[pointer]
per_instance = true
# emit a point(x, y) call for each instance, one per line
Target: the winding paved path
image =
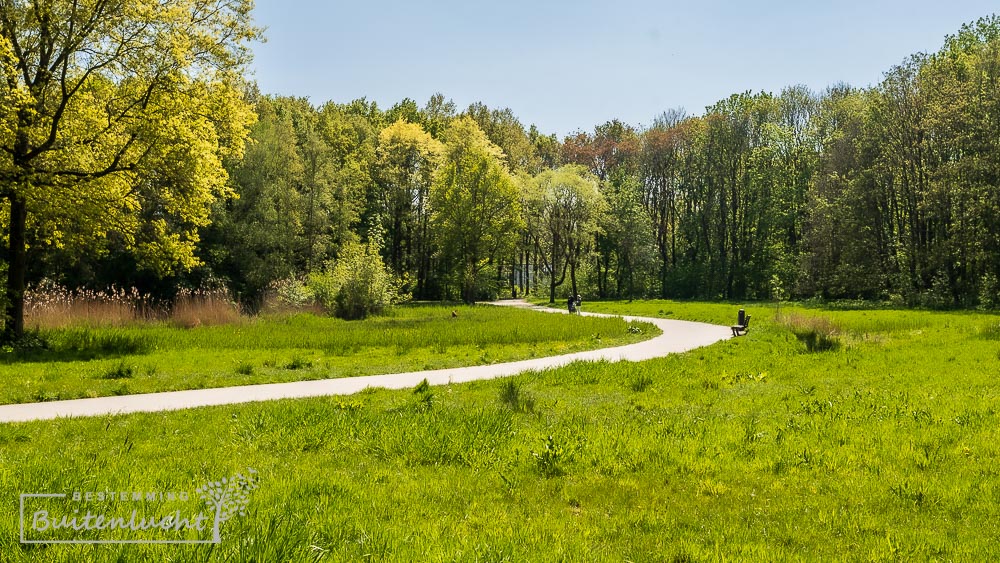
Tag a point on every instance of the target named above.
point(678, 336)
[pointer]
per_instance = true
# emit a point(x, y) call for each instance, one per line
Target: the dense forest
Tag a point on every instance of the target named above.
point(890, 192)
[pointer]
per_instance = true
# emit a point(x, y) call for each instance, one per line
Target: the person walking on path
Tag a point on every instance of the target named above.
point(571, 303)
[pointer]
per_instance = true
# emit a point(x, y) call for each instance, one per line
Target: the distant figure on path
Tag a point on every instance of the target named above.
point(571, 302)
point(579, 302)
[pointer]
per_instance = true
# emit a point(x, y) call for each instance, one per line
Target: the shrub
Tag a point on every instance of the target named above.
point(357, 284)
point(290, 295)
point(989, 293)
point(939, 296)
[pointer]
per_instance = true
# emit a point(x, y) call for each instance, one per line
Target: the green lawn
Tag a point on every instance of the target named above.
point(92, 362)
point(715, 313)
point(884, 446)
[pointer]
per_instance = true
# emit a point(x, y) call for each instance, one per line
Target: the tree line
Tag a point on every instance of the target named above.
point(125, 167)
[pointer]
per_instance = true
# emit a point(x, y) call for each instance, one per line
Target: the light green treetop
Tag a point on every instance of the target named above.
point(476, 205)
point(116, 115)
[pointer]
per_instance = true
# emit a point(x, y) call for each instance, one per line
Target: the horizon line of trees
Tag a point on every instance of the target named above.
point(886, 193)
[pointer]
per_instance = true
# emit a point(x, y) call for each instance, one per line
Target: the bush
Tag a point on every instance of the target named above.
point(989, 293)
point(357, 285)
point(939, 296)
point(291, 293)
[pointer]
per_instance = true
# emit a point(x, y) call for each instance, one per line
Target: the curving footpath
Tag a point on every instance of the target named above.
point(678, 336)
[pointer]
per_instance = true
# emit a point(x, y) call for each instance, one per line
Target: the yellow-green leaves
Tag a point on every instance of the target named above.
point(477, 209)
point(115, 117)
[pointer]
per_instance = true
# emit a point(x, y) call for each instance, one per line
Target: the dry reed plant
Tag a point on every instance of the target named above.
point(50, 305)
point(817, 333)
point(204, 308)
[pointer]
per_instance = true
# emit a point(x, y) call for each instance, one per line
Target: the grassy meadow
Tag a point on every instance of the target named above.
point(143, 357)
point(821, 435)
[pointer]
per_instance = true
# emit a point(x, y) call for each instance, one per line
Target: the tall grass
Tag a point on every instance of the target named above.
point(819, 334)
point(753, 449)
point(49, 305)
point(52, 306)
point(204, 308)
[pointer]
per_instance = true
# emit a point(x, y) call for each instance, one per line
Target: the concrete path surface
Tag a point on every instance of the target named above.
point(678, 336)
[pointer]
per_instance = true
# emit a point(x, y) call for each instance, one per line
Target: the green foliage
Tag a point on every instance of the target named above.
point(989, 292)
point(300, 186)
point(422, 387)
point(640, 383)
point(407, 158)
point(253, 240)
point(120, 129)
point(357, 284)
point(31, 343)
point(244, 368)
point(564, 210)
point(476, 205)
point(504, 130)
point(90, 342)
point(884, 193)
point(293, 292)
point(425, 396)
point(298, 362)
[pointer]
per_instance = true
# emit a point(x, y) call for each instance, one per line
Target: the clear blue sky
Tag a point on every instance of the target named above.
point(569, 65)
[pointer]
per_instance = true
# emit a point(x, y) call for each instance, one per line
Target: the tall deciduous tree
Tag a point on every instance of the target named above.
point(350, 132)
point(504, 129)
point(254, 237)
point(406, 159)
point(567, 207)
point(476, 205)
point(117, 115)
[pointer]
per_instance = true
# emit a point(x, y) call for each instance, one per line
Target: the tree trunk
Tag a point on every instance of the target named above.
point(469, 289)
point(16, 269)
point(572, 277)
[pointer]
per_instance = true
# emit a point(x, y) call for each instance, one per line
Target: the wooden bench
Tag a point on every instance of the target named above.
point(741, 329)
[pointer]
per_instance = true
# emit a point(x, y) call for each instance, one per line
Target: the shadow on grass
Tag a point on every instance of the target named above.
point(79, 344)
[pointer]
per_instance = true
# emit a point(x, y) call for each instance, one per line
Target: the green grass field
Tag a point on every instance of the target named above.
point(822, 435)
point(143, 358)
